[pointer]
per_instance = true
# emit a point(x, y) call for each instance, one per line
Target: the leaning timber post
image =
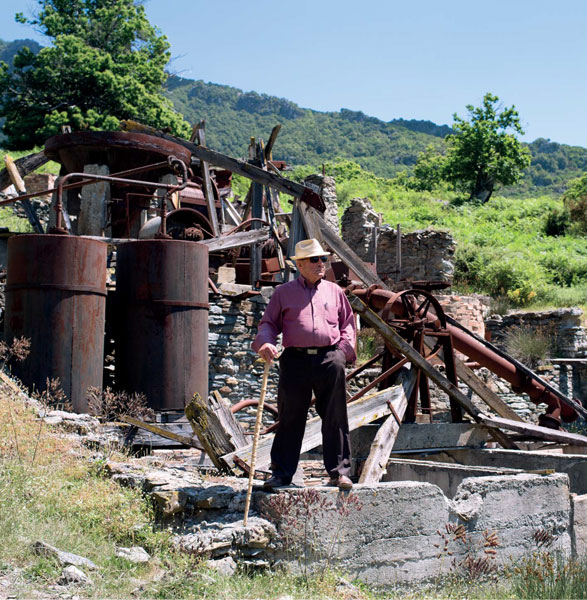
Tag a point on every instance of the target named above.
point(421, 363)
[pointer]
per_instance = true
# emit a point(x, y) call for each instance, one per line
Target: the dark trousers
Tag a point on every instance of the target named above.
point(300, 374)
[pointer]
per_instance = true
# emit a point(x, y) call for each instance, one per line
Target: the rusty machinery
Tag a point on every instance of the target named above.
point(419, 318)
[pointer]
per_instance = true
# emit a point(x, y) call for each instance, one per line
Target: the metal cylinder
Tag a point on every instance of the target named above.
point(56, 297)
point(162, 329)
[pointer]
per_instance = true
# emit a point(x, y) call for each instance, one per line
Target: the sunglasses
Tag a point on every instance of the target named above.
point(315, 259)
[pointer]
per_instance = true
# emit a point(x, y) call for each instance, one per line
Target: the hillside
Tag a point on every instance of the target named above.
point(313, 137)
point(310, 137)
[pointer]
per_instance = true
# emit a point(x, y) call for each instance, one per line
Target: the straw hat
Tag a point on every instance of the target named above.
point(309, 248)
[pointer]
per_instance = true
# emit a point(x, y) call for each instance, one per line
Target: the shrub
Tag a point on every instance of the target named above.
point(557, 222)
point(529, 346)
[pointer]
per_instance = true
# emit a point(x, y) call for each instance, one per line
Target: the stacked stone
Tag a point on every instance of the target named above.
point(426, 255)
point(470, 311)
point(357, 227)
point(233, 370)
point(327, 189)
point(563, 325)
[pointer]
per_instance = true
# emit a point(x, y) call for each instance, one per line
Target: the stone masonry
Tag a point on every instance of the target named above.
point(426, 255)
point(327, 189)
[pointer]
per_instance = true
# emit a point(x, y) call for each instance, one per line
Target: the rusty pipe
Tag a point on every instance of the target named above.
point(378, 299)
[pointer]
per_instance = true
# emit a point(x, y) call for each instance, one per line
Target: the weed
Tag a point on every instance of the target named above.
point(110, 405)
point(479, 556)
point(299, 515)
point(530, 346)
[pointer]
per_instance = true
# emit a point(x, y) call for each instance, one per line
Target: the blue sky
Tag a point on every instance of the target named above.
point(424, 59)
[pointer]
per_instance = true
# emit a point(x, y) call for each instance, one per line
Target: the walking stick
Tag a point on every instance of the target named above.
point(256, 440)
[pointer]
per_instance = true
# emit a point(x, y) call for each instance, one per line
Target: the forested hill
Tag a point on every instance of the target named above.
point(312, 137)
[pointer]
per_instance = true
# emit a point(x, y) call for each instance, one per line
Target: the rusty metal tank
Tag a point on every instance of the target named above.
point(162, 321)
point(56, 297)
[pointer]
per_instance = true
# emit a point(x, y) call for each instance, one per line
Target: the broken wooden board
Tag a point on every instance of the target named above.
point(361, 412)
point(25, 165)
point(376, 462)
point(543, 433)
point(216, 428)
point(390, 335)
point(162, 432)
point(200, 135)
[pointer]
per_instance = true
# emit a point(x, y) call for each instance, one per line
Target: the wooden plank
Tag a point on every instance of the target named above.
point(215, 427)
point(530, 429)
point(343, 251)
point(361, 412)
point(272, 137)
point(238, 239)
point(421, 363)
point(226, 162)
point(161, 432)
point(466, 375)
point(25, 165)
point(208, 192)
point(376, 463)
point(18, 183)
point(310, 222)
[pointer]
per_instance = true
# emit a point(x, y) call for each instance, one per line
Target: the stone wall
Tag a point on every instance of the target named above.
point(469, 311)
point(425, 255)
point(37, 182)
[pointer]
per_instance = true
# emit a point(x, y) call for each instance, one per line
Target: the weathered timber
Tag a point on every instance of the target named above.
point(161, 432)
point(581, 410)
point(536, 431)
point(361, 412)
point(376, 462)
point(421, 363)
point(466, 375)
point(207, 187)
point(18, 183)
point(343, 251)
point(310, 222)
point(25, 165)
point(235, 240)
point(216, 428)
point(226, 162)
point(272, 137)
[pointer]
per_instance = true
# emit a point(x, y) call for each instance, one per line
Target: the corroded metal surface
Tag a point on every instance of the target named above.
point(162, 321)
point(56, 296)
point(556, 411)
point(119, 150)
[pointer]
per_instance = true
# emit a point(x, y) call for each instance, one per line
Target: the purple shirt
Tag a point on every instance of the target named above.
point(309, 315)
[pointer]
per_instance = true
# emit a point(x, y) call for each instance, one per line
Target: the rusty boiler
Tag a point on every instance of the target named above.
point(56, 297)
point(162, 321)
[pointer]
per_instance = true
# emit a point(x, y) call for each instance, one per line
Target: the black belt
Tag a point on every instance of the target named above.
point(314, 349)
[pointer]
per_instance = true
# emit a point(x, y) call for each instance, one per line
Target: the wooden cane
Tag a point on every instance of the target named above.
point(256, 440)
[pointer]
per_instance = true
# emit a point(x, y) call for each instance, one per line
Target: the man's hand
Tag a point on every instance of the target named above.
point(268, 352)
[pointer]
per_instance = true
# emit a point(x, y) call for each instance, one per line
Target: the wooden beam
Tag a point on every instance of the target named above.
point(226, 162)
point(543, 433)
point(207, 187)
point(25, 165)
point(376, 463)
point(238, 239)
point(164, 433)
point(361, 412)
point(18, 183)
point(421, 363)
point(344, 252)
point(269, 148)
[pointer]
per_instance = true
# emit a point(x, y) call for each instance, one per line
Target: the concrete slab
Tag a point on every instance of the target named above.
point(579, 537)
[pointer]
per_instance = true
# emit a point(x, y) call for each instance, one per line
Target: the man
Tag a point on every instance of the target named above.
point(319, 334)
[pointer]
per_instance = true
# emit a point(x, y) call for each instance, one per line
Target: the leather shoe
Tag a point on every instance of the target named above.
point(273, 483)
point(342, 482)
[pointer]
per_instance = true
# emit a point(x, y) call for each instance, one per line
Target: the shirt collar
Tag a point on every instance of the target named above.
point(305, 284)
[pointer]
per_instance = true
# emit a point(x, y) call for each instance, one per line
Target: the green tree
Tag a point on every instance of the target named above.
point(482, 153)
point(106, 63)
point(575, 201)
point(479, 155)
